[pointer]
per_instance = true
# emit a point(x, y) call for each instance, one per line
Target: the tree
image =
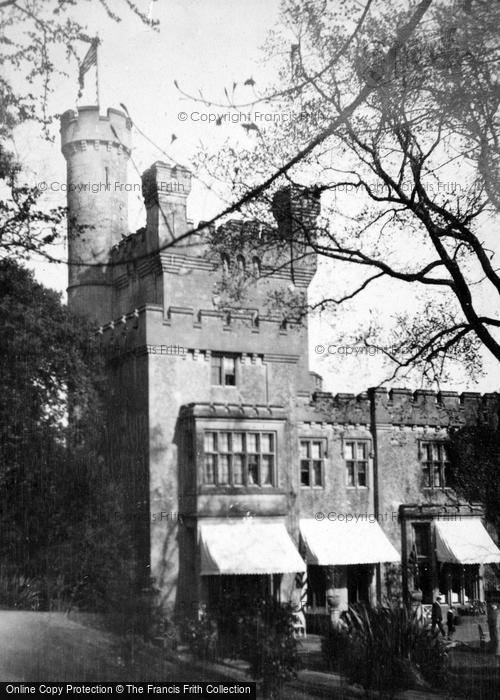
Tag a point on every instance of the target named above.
point(64, 507)
point(474, 456)
point(408, 175)
point(35, 35)
point(44, 355)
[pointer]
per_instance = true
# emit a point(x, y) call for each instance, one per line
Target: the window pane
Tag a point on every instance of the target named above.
point(252, 442)
point(237, 442)
point(238, 470)
point(361, 473)
point(317, 476)
point(210, 463)
point(437, 474)
point(224, 442)
point(350, 474)
point(267, 442)
point(316, 450)
point(223, 470)
point(349, 450)
point(216, 362)
point(229, 369)
point(267, 470)
point(427, 475)
point(361, 450)
point(447, 475)
point(210, 442)
point(304, 450)
point(435, 465)
point(253, 469)
point(304, 473)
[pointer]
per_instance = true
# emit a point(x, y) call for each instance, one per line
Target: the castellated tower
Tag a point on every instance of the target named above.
point(97, 149)
point(181, 367)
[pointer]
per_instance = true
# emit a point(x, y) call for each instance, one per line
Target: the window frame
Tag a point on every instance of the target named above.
point(428, 467)
point(310, 459)
point(217, 360)
point(259, 453)
point(356, 461)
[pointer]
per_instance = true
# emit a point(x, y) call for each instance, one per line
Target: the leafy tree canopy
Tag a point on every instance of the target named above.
point(390, 110)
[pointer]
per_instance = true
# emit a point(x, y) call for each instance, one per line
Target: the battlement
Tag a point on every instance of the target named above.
point(261, 254)
point(129, 247)
point(88, 125)
point(405, 407)
point(164, 180)
point(427, 407)
point(427, 397)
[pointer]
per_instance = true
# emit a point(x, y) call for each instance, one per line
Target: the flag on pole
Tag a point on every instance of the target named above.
point(89, 61)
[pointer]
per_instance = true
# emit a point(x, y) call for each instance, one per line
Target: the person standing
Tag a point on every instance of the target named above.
point(450, 621)
point(437, 616)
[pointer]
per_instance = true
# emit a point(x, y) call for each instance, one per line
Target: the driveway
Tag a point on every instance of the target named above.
point(42, 646)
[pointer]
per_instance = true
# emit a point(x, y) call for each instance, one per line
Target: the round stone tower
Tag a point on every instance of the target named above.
point(97, 149)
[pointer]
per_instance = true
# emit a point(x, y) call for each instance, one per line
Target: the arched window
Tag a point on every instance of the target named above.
point(240, 262)
point(225, 263)
point(256, 266)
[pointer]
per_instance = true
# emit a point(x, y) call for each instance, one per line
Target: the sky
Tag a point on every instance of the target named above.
point(203, 45)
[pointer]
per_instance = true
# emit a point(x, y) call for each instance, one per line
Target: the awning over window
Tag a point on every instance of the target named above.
point(247, 547)
point(334, 542)
point(465, 541)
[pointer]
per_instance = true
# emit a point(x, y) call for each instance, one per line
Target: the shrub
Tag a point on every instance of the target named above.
point(253, 629)
point(202, 637)
point(387, 648)
point(271, 646)
point(19, 591)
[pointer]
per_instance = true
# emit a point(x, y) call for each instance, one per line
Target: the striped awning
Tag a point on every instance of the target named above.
point(465, 541)
point(341, 543)
point(247, 546)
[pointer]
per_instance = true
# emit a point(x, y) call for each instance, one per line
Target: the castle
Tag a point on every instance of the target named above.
point(253, 475)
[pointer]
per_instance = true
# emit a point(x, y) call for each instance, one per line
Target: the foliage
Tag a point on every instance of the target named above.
point(393, 583)
point(201, 636)
point(474, 456)
point(44, 354)
point(386, 649)
point(19, 591)
point(272, 647)
point(393, 116)
point(254, 629)
point(64, 502)
point(32, 33)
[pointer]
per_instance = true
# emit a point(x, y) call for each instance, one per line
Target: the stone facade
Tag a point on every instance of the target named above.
point(183, 371)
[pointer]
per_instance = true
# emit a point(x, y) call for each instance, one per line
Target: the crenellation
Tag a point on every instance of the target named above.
point(470, 398)
point(424, 397)
point(449, 399)
point(398, 396)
